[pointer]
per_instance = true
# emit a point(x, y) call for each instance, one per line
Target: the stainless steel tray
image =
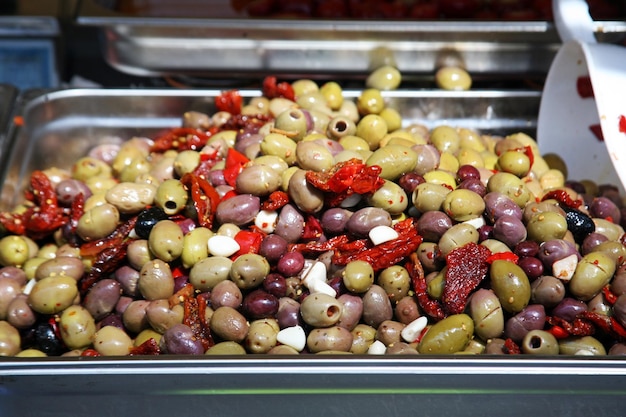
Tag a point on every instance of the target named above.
point(236, 46)
point(60, 126)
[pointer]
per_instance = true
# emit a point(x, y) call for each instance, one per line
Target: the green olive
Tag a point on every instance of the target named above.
point(392, 117)
point(112, 341)
point(363, 336)
point(10, 339)
point(308, 198)
point(131, 197)
point(292, 123)
point(394, 160)
point(166, 240)
point(510, 283)
point(156, 280)
point(100, 184)
point(445, 139)
point(31, 353)
point(609, 229)
point(229, 324)
point(462, 205)
point(279, 145)
point(261, 336)
point(329, 339)
point(546, 226)
point(98, 222)
point(77, 327)
point(540, 342)
point(358, 276)
point(384, 78)
point(195, 246)
point(321, 310)
point(304, 86)
point(259, 180)
point(450, 335)
point(437, 284)
point(354, 143)
point(395, 281)
point(226, 348)
point(581, 345)
point(340, 127)
point(61, 266)
point(594, 271)
point(429, 197)
point(456, 236)
point(161, 317)
point(208, 272)
point(146, 335)
point(372, 128)
point(370, 101)
point(333, 94)
point(130, 151)
point(14, 251)
point(390, 197)
point(171, 196)
point(510, 185)
point(313, 156)
point(53, 294)
point(486, 311)
point(514, 162)
point(138, 253)
point(249, 270)
point(136, 168)
point(89, 167)
point(453, 78)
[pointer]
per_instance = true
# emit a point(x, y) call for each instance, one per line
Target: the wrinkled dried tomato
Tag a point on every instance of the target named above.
point(149, 347)
point(562, 197)
point(229, 101)
point(273, 89)
point(467, 267)
point(312, 228)
point(429, 306)
point(204, 197)
point(275, 200)
point(181, 139)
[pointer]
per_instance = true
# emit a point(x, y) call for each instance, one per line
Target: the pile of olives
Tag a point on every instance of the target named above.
point(460, 186)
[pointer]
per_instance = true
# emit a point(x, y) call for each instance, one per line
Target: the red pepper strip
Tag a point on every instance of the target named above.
point(107, 261)
point(319, 247)
point(249, 242)
point(608, 325)
point(578, 327)
point(149, 347)
point(181, 138)
point(275, 200)
point(467, 267)
point(312, 228)
point(77, 211)
point(181, 295)
point(385, 254)
point(502, 256)
point(558, 332)
point(531, 157)
point(195, 317)
point(428, 305)
point(562, 197)
point(272, 89)
point(90, 353)
point(205, 198)
point(229, 101)
point(609, 295)
point(114, 239)
point(234, 164)
point(511, 348)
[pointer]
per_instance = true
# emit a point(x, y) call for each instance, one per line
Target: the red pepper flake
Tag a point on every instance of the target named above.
point(502, 256)
point(229, 101)
point(584, 87)
point(622, 123)
point(467, 267)
point(234, 164)
point(597, 132)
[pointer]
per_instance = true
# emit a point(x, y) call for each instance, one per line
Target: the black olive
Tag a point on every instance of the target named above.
point(578, 223)
point(147, 219)
point(47, 341)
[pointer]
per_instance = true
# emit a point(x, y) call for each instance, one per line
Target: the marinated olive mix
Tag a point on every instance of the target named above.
point(306, 222)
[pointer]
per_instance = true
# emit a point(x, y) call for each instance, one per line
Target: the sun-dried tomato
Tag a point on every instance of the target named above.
point(430, 307)
point(467, 267)
point(229, 101)
point(275, 200)
point(511, 348)
point(319, 247)
point(204, 197)
point(149, 347)
point(181, 139)
point(312, 228)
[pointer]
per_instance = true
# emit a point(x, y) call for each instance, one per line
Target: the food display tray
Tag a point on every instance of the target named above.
point(60, 126)
point(235, 46)
point(8, 95)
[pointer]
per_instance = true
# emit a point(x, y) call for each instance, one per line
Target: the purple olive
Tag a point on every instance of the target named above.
point(532, 266)
point(533, 317)
point(288, 314)
point(334, 220)
point(275, 284)
point(569, 308)
point(260, 304)
point(180, 340)
point(526, 248)
point(467, 172)
point(475, 185)
point(410, 181)
point(290, 264)
point(272, 247)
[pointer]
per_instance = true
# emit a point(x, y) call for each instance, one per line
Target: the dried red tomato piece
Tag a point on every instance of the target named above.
point(229, 101)
point(562, 197)
point(467, 267)
point(274, 89)
point(181, 138)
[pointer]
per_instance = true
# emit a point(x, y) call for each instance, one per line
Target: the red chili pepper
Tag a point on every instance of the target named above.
point(116, 238)
point(249, 242)
point(319, 247)
point(502, 256)
point(106, 262)
point(149, 347)
point(429, 306)
point(275, 200)
point(609, 295)
point(181, 138)
point(312, 228)
point(558, 332)
point(229, 101)
point(531, 156)
point(467, 267)
point(194, 316)
point(562, 197)
point(234, 164)
point(622, 123)
point(204, 197)
point(272, 89)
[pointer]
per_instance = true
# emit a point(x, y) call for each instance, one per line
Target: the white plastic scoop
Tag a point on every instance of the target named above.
point(572, 118)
